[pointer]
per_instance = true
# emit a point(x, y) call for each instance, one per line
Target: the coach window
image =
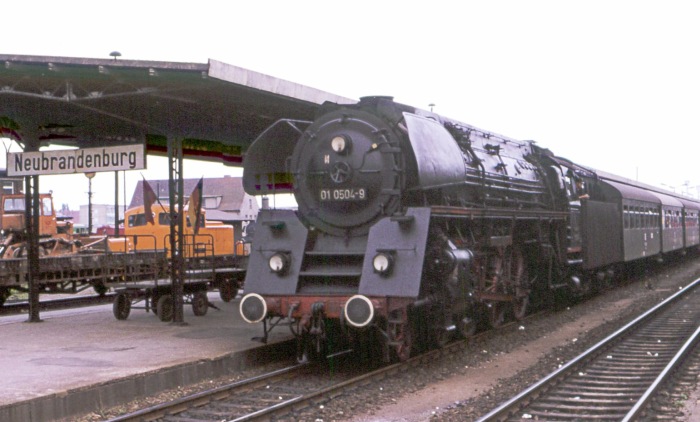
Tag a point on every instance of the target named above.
point(626, 216)
point(632, 214)
point(657, 218)
point(647, 218)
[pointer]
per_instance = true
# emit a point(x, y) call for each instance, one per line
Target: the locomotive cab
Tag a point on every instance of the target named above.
point(13, 209)
point(212, 238)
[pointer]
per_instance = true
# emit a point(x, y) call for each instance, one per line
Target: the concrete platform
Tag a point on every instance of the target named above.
point(81, 360)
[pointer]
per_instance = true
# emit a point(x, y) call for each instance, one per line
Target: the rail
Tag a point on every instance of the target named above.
point(577, 367)
point(278, 397)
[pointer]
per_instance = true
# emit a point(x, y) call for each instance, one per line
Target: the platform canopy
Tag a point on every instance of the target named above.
point(216, 109)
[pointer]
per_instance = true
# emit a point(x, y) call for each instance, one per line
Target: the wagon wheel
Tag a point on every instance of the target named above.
point(165, 308)
point(227, 290)
point(154, 302)
point(200, 303)
point(100, 289)
point(121, 307)
point(4, 294)
point(496, 312)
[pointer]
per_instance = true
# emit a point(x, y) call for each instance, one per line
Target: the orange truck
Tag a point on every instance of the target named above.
point(55, 238)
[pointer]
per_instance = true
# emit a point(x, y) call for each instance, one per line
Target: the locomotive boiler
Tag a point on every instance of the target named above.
point(412, 227)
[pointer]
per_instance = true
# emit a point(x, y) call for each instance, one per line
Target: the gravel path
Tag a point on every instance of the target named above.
point(506, 362)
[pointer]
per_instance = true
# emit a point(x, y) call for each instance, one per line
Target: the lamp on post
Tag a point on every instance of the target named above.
point(90, 175)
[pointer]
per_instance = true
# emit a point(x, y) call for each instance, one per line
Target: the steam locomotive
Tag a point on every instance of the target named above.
point(412, 228)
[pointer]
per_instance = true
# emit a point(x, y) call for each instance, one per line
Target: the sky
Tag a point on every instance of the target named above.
point(613, 85)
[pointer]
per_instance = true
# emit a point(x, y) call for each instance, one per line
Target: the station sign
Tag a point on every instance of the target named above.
point(84, 160)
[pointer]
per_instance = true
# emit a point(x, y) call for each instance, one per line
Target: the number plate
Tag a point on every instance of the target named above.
point(354, 194)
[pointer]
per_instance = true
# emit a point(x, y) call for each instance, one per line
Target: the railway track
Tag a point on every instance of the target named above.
point(283, 393)
point(264, 396)
point(619, 377)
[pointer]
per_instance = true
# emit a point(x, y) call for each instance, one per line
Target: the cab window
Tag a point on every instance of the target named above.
point(136, 220)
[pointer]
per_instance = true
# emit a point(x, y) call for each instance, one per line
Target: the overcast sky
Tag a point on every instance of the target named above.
point(614, 85)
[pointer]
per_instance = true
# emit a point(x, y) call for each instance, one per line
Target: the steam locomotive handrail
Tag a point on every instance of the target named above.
point(450, 211)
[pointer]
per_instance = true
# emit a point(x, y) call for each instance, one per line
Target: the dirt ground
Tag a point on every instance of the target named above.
point(422, 405)
point(442, 399)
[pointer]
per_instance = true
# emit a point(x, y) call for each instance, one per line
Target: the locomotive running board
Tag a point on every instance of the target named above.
point(493, 213)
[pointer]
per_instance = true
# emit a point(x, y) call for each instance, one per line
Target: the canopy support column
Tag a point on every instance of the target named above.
point(177, 261)
point(31, 216)
point(116, 203)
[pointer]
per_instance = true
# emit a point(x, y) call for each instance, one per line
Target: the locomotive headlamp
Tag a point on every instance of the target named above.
point(383, 263)
point(340, 144)
point(279, 263)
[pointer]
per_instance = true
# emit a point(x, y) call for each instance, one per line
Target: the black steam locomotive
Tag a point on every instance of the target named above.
point(412, 227)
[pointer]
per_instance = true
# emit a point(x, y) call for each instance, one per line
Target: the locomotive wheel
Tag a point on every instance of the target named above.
point(520, 307)
point(165, 308)
point(121, 307)
point(497, 313)
point(519, 283)
point(467, 327)
point(440, 334)
point(200, 303)
point(404, 339)
point(227, 290)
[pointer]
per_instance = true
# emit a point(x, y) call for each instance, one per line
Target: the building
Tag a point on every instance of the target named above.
point(11, 184)
point(223, 199)
point(102, 216)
